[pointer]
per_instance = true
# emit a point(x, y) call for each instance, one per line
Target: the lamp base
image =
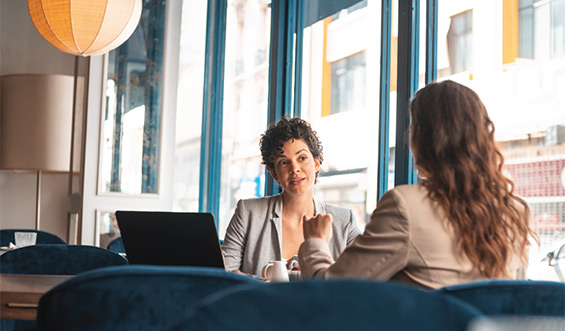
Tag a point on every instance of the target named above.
point(38, 202)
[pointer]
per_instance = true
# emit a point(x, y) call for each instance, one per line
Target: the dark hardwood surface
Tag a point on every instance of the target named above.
point(19, 294)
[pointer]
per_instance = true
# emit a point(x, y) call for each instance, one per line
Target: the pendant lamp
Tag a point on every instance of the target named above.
point(85, 27)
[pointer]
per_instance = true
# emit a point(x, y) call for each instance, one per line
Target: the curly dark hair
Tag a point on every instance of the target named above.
point(286, 129)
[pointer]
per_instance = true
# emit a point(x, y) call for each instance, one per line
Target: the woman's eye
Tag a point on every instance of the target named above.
point(303, 158)
point(282, 163)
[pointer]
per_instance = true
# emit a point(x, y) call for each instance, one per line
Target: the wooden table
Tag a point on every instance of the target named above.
point(19, 294)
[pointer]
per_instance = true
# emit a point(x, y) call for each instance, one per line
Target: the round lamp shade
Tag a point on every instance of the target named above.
point(85, 27)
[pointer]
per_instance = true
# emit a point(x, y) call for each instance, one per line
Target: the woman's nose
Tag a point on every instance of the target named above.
point(294, 168)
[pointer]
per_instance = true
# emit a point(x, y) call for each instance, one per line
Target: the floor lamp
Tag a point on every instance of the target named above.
point(83, 28)
point(35, 126)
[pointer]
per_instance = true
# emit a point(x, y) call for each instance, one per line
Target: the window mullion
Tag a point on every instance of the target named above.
point(299, 30)
point(384, 107)
point(211, 143)
point(431, 40)
point(408, 43)
point(283, 26)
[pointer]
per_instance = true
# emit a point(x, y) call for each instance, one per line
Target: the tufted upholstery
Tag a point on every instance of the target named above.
point(117, 245)
point(131, 297)
point(57, 259)
point(329, 305)
point(7, 236)
point(53, 259)
point(512, 297)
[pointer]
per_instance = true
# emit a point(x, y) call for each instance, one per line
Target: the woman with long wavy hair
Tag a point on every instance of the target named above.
point(461, 223)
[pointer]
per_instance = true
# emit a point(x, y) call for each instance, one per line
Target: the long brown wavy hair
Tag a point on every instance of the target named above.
point(454, 148)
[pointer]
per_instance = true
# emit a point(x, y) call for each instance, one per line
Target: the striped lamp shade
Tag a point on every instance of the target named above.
point(85, 27)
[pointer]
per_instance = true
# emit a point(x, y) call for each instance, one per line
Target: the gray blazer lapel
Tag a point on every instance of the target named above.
point(320, 207)
point(277, 225)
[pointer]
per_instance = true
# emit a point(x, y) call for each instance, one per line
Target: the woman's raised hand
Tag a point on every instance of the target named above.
point(319, 226)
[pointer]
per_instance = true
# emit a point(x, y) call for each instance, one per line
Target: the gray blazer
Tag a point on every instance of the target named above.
point(253, 237)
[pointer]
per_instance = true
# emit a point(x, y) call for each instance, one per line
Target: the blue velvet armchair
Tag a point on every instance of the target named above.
point(329, 305)
point(7, 237)
point(512, 297)
point(132, 297)
point(117, 245)
point(57, 259)
point(53, 259)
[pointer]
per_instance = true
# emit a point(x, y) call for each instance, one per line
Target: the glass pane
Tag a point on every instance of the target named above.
point(131, 123)
point(525, 101)
point(340, 74)
point(108, 227)
point(558, 28)
point(523, 3)
point(460, 41)
point(189, 106)
point(525, 33)
point(347, 74)
point(245, 103)
point(542, 32)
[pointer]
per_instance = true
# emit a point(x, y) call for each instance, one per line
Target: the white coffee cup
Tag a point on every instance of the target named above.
point(275, 271)
point(25, 238)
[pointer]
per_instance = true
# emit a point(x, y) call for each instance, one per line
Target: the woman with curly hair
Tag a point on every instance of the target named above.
point(270, 228)
point(461, 223)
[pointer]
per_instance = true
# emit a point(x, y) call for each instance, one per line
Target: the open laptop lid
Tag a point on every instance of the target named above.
point(169, 238)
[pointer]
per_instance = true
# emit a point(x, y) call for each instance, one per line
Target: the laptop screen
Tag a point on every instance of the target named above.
point(170, 238)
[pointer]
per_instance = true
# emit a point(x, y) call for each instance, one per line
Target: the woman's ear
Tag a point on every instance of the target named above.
point(317, 164)
point(274, 175)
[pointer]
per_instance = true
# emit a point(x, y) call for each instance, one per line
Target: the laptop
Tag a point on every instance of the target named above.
point(170, 238)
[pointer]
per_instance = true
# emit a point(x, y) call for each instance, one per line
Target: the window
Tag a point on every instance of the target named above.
point(541, 29)
point(526, 31)
point(338, 89)
point(348, 83)
point(558, 28)
point(131, 128)
point(460, 42)
point(339, 66)
point(246, 73)
point(189, 106)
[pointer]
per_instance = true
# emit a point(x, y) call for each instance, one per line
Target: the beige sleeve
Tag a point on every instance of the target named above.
point(379, 253)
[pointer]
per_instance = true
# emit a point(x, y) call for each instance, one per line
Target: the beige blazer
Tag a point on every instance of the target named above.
point(407, 240)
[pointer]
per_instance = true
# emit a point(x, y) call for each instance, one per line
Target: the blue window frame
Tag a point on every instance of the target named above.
point(211, 142)
point(384, 97)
